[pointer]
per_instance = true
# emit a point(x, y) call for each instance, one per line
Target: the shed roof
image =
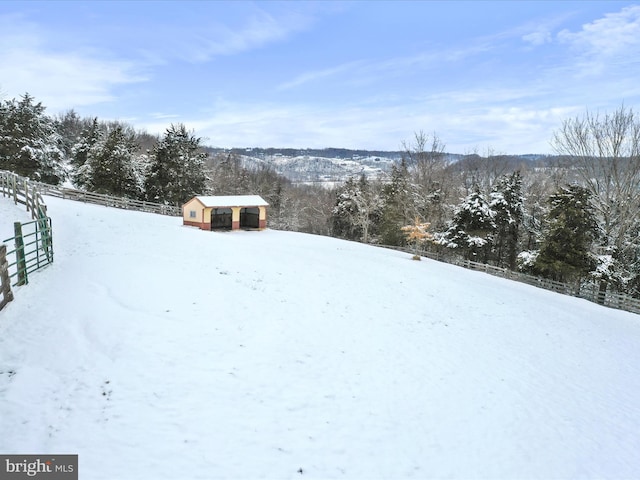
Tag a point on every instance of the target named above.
point(232, 201)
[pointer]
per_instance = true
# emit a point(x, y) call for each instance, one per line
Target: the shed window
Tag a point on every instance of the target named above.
point(192, 214)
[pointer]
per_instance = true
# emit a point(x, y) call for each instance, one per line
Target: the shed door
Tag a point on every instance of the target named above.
point(250, 217)
point(221, 218)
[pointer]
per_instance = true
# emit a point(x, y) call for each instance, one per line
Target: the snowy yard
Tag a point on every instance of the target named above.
point(10, 213)
point(159, 351)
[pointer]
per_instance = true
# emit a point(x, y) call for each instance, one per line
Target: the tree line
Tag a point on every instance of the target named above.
point(575, 219)
point(113, 157)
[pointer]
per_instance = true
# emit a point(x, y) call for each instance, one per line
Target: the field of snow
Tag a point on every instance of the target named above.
point(157, 351)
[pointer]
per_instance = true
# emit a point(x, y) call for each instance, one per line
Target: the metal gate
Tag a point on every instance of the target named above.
point(33, 250)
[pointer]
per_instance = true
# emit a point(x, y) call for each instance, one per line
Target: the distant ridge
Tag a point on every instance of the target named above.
point(334, 165)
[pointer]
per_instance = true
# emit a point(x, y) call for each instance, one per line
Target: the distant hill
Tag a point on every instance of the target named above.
point(339, 153)
point(335, 165)
point(329, 165)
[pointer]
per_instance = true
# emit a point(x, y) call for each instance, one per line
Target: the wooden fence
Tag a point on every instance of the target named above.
point(109, 200)
point(6, 295)
point(588, 291)
point(29, 193)
point(32, 241)
point(23, 191)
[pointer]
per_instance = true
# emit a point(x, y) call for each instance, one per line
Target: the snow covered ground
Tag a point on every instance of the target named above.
point(159, 351)
point(10, 213)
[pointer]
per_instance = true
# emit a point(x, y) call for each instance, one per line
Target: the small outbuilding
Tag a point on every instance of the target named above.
point(229, 212)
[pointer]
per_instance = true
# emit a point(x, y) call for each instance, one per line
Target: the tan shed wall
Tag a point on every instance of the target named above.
point(192, 204)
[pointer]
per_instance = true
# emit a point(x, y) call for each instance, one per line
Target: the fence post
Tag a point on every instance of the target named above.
point(44, 225)
point(21, 262)
point(26, 193)
point(5, 281)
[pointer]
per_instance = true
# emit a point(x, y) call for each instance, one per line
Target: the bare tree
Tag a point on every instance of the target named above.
point(538, 185)
point(316, 204)
point(484, 171)
point(605, 152)
point(432, 182)
point(425, 157)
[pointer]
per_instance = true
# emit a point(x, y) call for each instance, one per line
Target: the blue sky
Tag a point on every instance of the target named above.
point(495, 77)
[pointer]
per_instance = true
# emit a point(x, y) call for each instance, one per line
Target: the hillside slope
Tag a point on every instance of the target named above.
point(157, 351)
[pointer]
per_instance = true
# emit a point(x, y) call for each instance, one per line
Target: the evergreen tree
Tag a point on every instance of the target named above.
point(356, 211)
point(177, 168)
point(631, 281)
point(70, 126)
point(398, 207)
point(115, 169)
point(29, 143)
point(572, 228)
point(472, 228)
point(89, 136)
point(620, 269)
point(507, 204)
point(345, 210)
point(111, 165)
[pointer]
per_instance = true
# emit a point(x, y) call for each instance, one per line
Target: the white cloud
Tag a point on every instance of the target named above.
point(539, 37)
point(161, 115)
point(595, 66)
point(218, 39)
point(462, 127)
point(538, 32)
point(319, 74)
point(616, 34)
point(59, 79)
point(360, 72)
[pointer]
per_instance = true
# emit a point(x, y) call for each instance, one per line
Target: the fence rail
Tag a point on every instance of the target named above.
point(587, 291)
point(23, 191)
point(110, 200)
point(29, 193)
